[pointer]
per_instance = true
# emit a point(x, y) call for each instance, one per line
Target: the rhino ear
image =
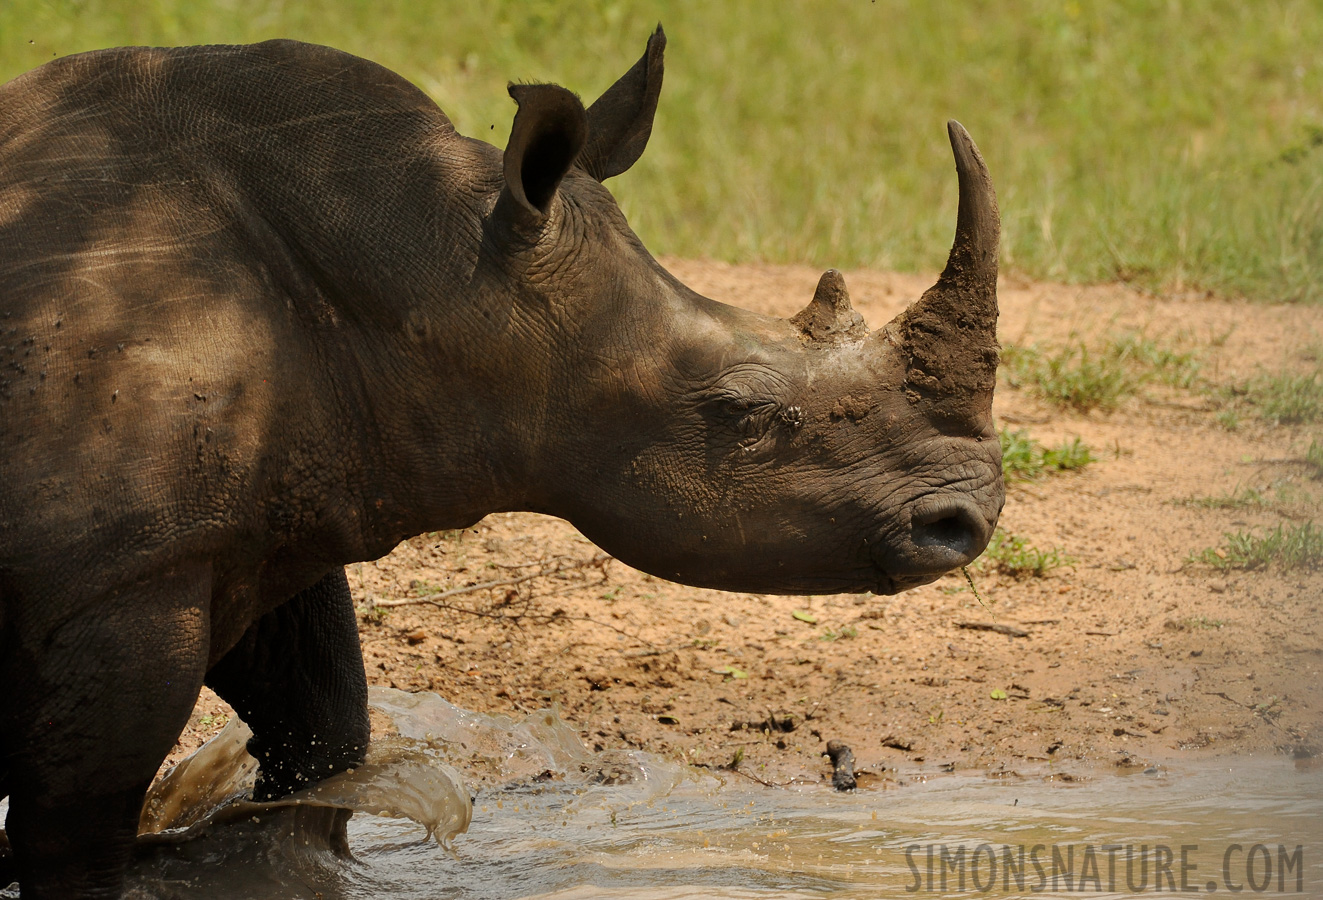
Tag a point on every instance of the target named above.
point(620, 122)
point(548, 133)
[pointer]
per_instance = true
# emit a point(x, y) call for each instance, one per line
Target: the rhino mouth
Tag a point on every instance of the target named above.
point(946, 532)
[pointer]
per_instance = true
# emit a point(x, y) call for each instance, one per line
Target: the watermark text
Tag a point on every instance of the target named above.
point(1090, 868)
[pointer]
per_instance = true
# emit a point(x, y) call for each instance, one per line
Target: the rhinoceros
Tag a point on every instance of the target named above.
point(263, 313)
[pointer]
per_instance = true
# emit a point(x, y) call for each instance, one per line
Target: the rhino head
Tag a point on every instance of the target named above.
point(713, 446)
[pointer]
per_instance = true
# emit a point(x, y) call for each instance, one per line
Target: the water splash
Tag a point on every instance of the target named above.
point(401, 778)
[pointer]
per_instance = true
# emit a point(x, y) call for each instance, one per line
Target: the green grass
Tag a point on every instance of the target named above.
point(1173, 145)
point(1240, 498)
point(1228, 419)
point(1068, 456)
point(1287, 496)
point(1288, 399)
point(1286, 546)
point(1086, 375)
point(1015, 556)
point(1314, 459)
point(1021, 455)
point(1284, 398)
point(1071, 377)
point(1024, 459)
point(1178, 368)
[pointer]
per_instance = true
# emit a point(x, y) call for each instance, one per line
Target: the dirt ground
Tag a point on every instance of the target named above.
point(1130, 656)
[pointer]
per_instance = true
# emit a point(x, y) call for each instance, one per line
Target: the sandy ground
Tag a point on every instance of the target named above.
point(1130, 656)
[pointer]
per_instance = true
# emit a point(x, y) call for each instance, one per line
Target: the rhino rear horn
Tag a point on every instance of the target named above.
point(950, 335)
point(548, 133)
point(620, 122)
point(829, 318)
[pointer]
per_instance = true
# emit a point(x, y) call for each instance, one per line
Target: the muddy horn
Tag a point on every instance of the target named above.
point(829, 318)
point(950, 335)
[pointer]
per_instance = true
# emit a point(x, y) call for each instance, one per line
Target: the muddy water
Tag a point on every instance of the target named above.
point(551, 819)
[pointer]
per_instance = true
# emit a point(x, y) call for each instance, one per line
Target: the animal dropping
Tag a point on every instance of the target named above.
point(338, 323)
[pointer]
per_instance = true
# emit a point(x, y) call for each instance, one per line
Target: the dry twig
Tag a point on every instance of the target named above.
point(435, 599)
point(993, 626)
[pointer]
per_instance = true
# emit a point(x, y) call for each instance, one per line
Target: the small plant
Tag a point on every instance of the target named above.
point(1229, 419)
point(371, 613)
point(1290, 547)
point(1068, 457)
point(1289, 399)
point(1082, 377)
point(1024, 459)
point(1174, 367)
point(847, 632)
point(1072, 377)
point(1016, 557)
point(1017, 362)
point(1240, 498)
point(1021, 456)
point(1314, 459)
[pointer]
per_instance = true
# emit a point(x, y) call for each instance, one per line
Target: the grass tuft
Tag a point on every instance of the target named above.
point(1068, 457)
point(1289, 547)
point(1314, 459)
point(1072, 377)
point(1025, 459)
point(1021, 455)
point(1085, 377)
point(1178, 368)
point(1288, 399)
point(1015, 556)
point(1240, 498)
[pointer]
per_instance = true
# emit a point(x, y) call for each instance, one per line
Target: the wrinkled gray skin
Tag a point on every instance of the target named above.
point(263, 313)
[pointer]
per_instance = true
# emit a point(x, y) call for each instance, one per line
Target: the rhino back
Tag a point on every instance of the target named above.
point(192, 244)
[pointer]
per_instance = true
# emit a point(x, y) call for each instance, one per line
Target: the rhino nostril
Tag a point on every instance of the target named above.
point(949, 531)
point(948, 524)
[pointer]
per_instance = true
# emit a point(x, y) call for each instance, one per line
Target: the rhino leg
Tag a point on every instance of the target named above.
point(296, 677)
point(8, 872)
point(86, 722)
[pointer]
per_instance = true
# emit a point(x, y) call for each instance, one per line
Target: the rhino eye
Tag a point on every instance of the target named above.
point(755, 422)
point(743, 405)
point(746, 409)
point(751, 418)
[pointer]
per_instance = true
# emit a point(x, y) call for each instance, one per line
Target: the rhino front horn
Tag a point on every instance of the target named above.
point(829, 319)
point(950, 335)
